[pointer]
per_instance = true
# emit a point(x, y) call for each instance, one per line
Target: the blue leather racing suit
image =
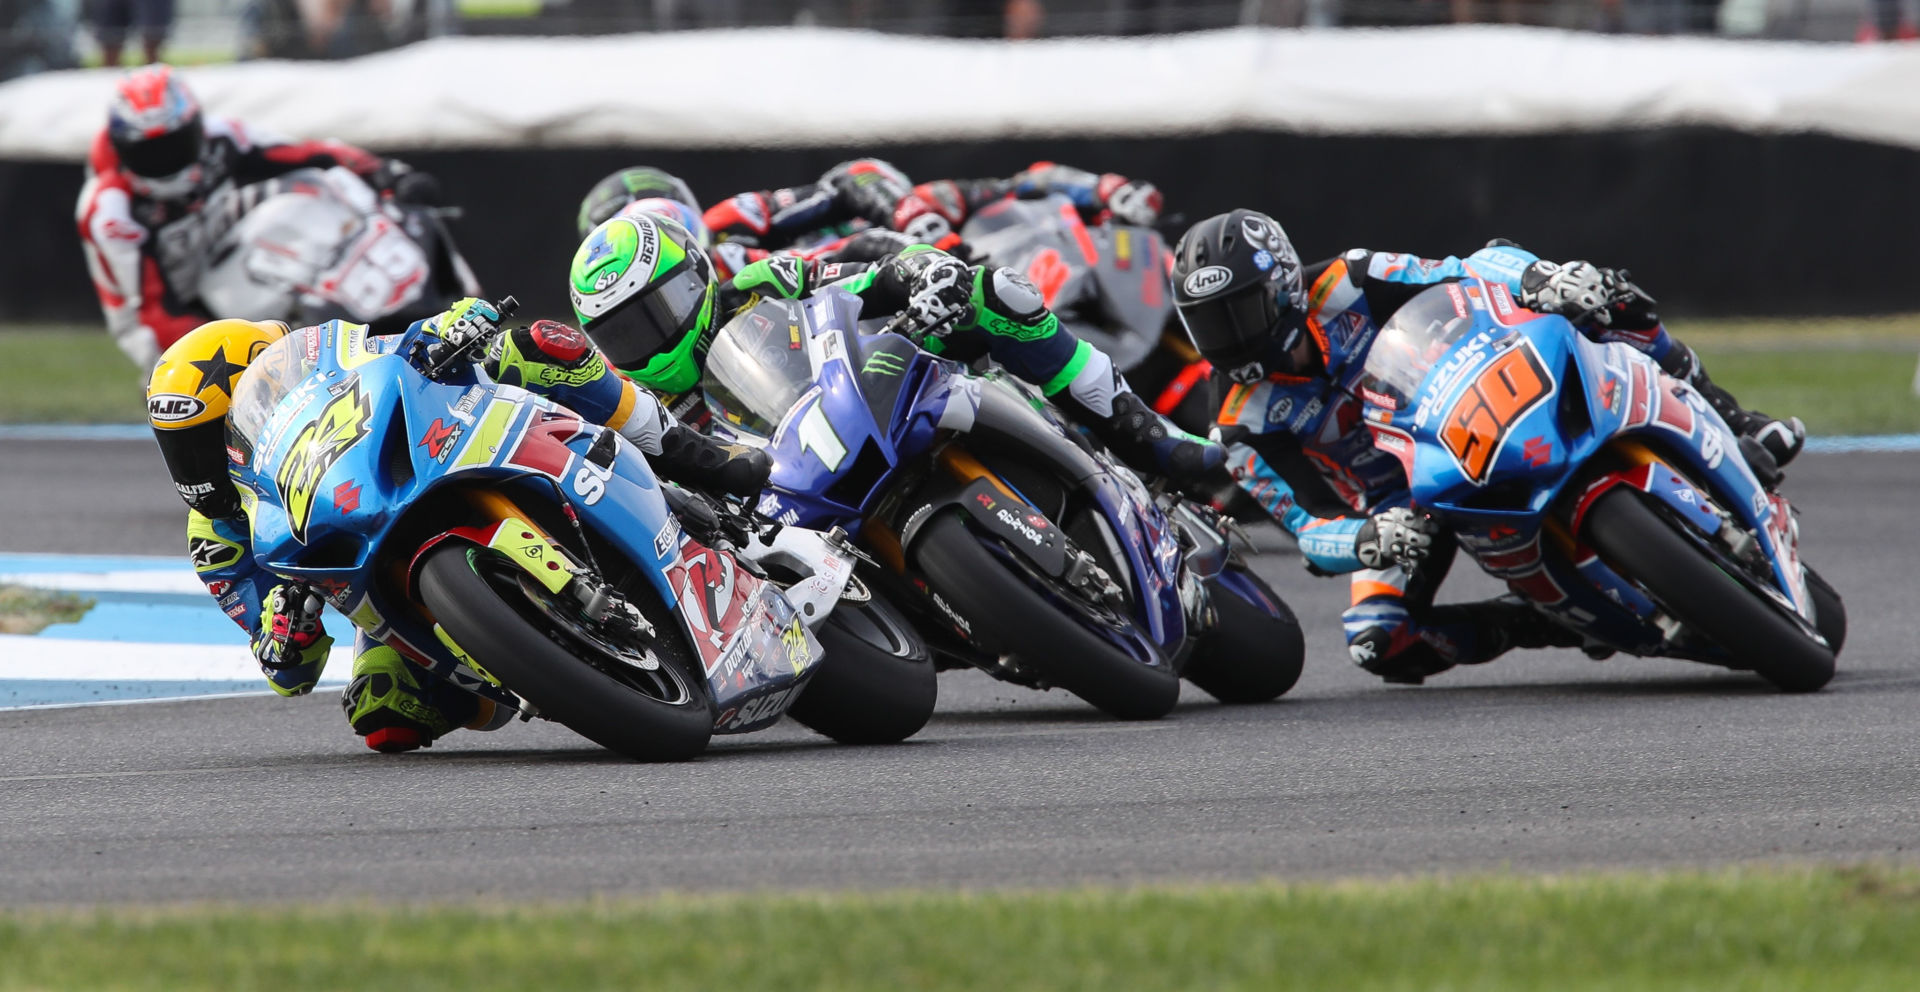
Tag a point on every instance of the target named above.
point(1298, 445)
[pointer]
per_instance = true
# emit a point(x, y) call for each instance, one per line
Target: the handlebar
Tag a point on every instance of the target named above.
point(902, 323)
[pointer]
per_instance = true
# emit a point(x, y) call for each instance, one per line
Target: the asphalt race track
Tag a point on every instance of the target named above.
point(1540, 761)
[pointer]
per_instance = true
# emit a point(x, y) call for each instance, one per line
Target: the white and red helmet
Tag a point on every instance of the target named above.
point(156, 129)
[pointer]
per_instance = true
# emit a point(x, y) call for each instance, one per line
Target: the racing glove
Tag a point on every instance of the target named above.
point(1587, 294)
point(940, 295)
point(403, 183)
point(1130, 201)
point(1399, 536)
point(291, 645)
point(466, 321)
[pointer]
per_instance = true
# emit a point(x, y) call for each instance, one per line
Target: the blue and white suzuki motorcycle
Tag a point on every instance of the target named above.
point(1605, 492)
point(498, 541)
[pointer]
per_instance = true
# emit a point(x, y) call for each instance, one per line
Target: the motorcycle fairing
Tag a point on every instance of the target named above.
point(1509, 416)
point(418, 435)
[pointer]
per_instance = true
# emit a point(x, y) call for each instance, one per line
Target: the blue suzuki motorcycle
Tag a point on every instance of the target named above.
point(1605, 492)
point(1027, 551)
point(498, 541)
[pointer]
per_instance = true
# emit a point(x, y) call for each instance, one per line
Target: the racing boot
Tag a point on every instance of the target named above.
point(694, 459)
point(1146, 440)
point(1409, 652)
point(1780, 440)
point(397, 707)
point(292, 645)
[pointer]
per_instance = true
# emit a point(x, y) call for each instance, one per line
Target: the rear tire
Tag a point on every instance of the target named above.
point(467, 589)
point(1645, 548)
point(999, 603)
point(876, 683)
point(1252, 655)
point(1829, 611)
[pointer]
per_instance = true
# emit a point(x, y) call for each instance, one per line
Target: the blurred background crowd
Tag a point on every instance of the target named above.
point(37, 35)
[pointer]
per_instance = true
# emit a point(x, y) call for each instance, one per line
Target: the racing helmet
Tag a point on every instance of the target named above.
point(1237, 287)
point(610, 195)
point(688, 217)
point(188, 396)
point(156, 130)
point(643, 289)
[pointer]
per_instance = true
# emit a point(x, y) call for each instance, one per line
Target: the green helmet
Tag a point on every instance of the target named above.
point(640, 183)
point(643, 290)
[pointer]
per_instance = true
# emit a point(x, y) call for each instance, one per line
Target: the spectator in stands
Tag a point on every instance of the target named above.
point(34, 37)
point(113, 19)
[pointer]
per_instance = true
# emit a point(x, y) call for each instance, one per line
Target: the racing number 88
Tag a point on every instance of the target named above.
point(1503, 391)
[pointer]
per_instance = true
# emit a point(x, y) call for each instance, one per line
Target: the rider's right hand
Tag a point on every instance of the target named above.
point(466, 321)
point(1399, 536)
point(940, 294)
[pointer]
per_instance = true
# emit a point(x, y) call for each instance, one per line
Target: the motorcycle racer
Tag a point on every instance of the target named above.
point(153, 203)
point(648, 295)
point(1288, 344)
point(390, 703)
point(870, 191)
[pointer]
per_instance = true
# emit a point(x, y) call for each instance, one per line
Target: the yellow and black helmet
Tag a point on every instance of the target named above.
point(187, 401)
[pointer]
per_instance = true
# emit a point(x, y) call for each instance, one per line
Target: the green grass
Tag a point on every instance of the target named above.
point(29, 611)
point(1826, 928)
point(1841, 376)
point(67, 376)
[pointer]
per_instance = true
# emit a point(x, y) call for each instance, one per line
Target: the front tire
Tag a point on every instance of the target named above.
point(479, 600)
point(1256, 650)
point(998, 602)
point(1645, 548)
point(876, 683)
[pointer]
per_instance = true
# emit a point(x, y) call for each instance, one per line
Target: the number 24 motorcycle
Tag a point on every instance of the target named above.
point(1029, 553)
point(498, 541)
point(1605, 492)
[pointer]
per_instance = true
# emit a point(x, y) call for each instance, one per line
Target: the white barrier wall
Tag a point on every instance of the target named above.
point(810, 87)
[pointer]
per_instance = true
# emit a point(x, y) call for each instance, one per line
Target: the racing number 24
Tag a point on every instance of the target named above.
point(1512, 384)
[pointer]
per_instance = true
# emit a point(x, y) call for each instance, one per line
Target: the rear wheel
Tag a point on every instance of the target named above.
point(876, 682)
point(539, 646)
point(1647, 549)
point(1255, 652)
point(997, 602)
point(1829, 612)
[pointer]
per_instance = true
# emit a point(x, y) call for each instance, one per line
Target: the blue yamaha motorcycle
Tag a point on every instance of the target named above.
point(498, 541)
point(1605, 492)
point(1029, 552)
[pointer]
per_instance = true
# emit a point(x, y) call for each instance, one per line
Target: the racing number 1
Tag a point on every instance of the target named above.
point(1503, 392)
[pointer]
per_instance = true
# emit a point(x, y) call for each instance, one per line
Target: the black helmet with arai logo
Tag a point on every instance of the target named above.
point(1237, 286)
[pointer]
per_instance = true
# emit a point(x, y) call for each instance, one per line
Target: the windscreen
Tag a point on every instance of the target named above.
point(284, 365)
point(757, 366)
point(1417, 336)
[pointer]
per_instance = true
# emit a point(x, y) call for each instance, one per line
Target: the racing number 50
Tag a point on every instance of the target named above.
point(1512, 384)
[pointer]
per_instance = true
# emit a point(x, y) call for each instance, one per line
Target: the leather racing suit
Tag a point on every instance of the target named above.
point(146, 255)
point(1298, 445)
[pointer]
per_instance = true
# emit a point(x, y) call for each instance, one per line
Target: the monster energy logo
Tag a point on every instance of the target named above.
point(884, 363)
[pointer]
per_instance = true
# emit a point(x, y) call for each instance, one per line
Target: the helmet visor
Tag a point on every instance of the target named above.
point(162, 156)
point(1240, 327)
point(654, 321)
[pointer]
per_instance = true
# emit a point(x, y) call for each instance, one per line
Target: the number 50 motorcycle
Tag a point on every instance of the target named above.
point(1607, 493)
point(496, 540)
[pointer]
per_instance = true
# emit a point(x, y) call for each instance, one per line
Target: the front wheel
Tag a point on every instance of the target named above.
point(998, 603)
point(1645, 548)
point(876, 681)
point(536, 643)
point(1255, 651)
